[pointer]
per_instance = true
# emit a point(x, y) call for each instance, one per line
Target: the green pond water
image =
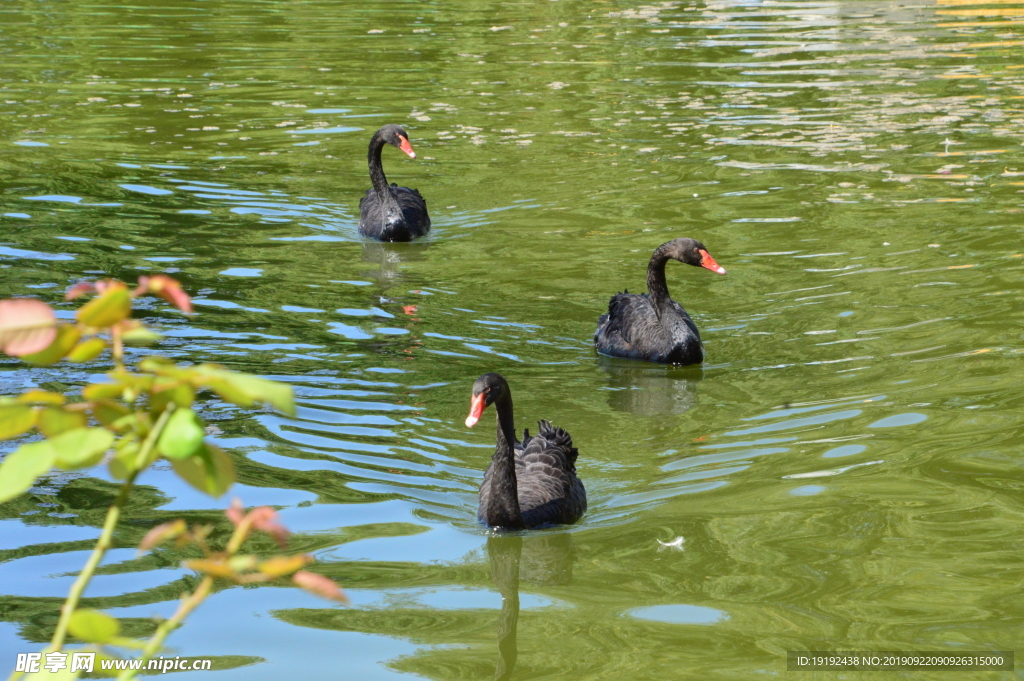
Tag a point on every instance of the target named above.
point(845, 470)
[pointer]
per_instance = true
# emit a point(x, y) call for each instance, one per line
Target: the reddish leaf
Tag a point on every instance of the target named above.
point(27, 326)
point(319, 585)
point(103, 284)
point(236, 512)
point(80, 289)
point(167, 288)
point(162, 533)
point(264, 519)
point(409, 309)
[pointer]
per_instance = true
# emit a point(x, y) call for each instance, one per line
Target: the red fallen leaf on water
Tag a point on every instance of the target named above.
point(27, 326)
point(409, 309)
point(167, 288)
point(80, 289)
point(319, 586)
point(700, 439)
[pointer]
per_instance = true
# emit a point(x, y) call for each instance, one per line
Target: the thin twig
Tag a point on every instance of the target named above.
point(106, 537)
point(118, 349)
point(189, 603)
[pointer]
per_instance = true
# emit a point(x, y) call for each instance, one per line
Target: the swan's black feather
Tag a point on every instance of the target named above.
point(549, 491)
point(631, 329)
point(414, 221)
point(529, 482)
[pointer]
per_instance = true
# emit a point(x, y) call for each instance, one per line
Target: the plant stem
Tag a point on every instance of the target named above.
point(188, 604)
point(102, 544)
point(118, 349)
point(106, 538)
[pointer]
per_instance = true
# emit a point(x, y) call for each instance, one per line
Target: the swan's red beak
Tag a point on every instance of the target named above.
point(406, 147)
point(707, 261)
point(476, 408)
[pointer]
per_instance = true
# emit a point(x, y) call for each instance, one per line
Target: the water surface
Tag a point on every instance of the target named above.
point(844, 471)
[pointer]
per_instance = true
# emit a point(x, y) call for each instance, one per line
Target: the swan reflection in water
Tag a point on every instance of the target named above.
point(387, 257)
point(543, 559)
point(650, 389)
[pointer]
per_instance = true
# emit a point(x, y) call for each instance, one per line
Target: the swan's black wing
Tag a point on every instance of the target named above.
point(414, 221)
point(371, 216)
point(549, 491)
point(414, 210)
point(631, 329)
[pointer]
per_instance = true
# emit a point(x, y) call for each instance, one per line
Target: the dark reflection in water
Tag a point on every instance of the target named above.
point(650, 389)
point(545, 560)
point(387, 257)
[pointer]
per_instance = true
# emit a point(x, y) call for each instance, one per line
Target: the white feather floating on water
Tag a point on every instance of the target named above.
point(676, 544)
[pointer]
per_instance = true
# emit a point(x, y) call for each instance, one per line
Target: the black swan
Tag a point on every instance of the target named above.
point(528, 483)
point(390, 212)
point(652, 326)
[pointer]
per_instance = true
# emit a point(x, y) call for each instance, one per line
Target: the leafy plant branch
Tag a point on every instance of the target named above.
point(136, 417)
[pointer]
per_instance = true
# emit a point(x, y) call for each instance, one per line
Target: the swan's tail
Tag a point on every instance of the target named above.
point(560, 438)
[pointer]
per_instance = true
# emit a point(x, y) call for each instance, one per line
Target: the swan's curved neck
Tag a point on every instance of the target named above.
point(657, 288)
point(504, 509)
point(380, 182)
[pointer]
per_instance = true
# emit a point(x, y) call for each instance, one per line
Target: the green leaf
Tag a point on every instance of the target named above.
point(140, 335)
point(108, 412)
point(182, 436)
point(67, 336)
point(108, 308)
point(22, 466)
point(16, 419)
point(81, 447)
point(140, 383)
point(53, 421)
point(210, 470)
point(245, 390)
point(87, 350)
point(41, 397)
point(100, 391)
point(156, 363)
point(93, 626)
point(124, 461)
point(166, 391)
